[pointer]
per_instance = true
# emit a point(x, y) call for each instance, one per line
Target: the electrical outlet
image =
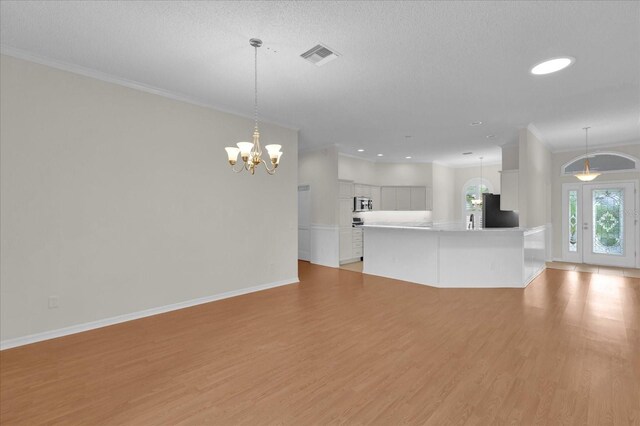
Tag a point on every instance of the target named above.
point(53, 302)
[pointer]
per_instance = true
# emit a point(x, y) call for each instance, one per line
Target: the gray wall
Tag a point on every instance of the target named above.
point(117, 201)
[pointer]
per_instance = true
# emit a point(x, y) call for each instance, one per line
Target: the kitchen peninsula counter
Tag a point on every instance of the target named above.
point(453, 256)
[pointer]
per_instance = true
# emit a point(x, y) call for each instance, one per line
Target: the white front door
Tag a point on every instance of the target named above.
point(609, 225)
point(600, 223)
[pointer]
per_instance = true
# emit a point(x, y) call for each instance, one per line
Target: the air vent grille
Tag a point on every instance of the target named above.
point(320, 55)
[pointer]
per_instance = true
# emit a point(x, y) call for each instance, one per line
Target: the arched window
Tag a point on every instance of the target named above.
point(603, 162)
point(471, 195)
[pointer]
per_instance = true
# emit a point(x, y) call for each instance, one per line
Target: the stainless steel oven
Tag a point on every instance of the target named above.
point(362, 204)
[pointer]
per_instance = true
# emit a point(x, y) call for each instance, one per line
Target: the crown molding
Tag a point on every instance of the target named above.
point(534, 130)
point(593, 148)
point(131, 84)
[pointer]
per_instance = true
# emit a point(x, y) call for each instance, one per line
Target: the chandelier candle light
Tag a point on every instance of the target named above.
point(251, 153)
point(587, 175)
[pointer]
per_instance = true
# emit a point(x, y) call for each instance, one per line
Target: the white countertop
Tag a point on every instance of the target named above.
point(456, 227)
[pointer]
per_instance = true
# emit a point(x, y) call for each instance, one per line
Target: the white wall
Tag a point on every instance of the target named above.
point(384, 174)
point(319, 170)
point(116, 201)
point(357, 170)
point(444, 194)
point(559, 159)
point(534, 181)
point(404, 174)
point(510, 157)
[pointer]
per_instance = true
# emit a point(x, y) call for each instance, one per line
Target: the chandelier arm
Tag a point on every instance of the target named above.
point(270, 171)
point(242, 167)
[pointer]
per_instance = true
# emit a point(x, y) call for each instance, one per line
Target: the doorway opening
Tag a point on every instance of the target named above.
point(304, 222)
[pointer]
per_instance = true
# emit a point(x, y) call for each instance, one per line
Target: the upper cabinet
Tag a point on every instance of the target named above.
point(418, 198)
point(509, 190)
point(388, 198)
point(375, 197)
point(403, 198)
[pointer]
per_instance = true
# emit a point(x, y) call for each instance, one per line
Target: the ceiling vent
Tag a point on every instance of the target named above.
point(320, 55)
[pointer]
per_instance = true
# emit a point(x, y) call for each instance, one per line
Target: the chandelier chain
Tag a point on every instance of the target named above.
point(586, 142)
point(255, 103)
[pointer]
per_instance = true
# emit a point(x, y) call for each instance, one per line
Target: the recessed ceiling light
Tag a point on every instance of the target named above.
point(467, 153)
point(380, 155)
point(408, 157)
point(552, 65)
point(475, 123)
point(361, 150)
point(491, 136)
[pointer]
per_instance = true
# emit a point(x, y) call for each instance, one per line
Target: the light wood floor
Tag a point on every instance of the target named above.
point(343, 347)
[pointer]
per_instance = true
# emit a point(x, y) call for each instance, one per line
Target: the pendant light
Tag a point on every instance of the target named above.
point(587, 175)
point(251, 152)
point(478, 201)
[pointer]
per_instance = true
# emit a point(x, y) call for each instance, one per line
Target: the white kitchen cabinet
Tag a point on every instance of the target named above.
point(357, 243)
point(375, 197)
point(388, 198)
point(346, 244)
point(403, 198)
point(509, 190)
point(345, 189)
point(418, 198)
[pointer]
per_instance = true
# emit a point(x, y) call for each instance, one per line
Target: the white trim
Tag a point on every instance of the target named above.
point(534, 130)
point(79, 328)
point(630, 157)
point(131, 84)
point(612, 145)
point(535, 275)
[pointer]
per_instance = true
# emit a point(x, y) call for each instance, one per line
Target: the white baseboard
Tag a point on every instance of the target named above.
point(79, 328)
point(534, 276)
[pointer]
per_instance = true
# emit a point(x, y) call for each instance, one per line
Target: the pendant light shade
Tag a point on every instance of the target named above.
point(587, 175)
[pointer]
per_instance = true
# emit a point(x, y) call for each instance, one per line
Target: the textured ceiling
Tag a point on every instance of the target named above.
point(425, 69)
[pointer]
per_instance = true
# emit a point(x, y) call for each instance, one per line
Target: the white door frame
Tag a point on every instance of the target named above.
point(633, 219)
point(304, 222)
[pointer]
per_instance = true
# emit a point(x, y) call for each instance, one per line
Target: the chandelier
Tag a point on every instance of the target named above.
point(251, 152)
point(587, 175)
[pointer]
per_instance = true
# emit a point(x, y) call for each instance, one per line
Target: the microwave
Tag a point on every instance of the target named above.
point(362, 204)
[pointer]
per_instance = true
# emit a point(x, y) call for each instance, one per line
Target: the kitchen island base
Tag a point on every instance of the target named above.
point(455, 258)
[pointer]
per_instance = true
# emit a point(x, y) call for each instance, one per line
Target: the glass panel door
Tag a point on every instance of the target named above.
point(608, 228)
point(572, 222)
